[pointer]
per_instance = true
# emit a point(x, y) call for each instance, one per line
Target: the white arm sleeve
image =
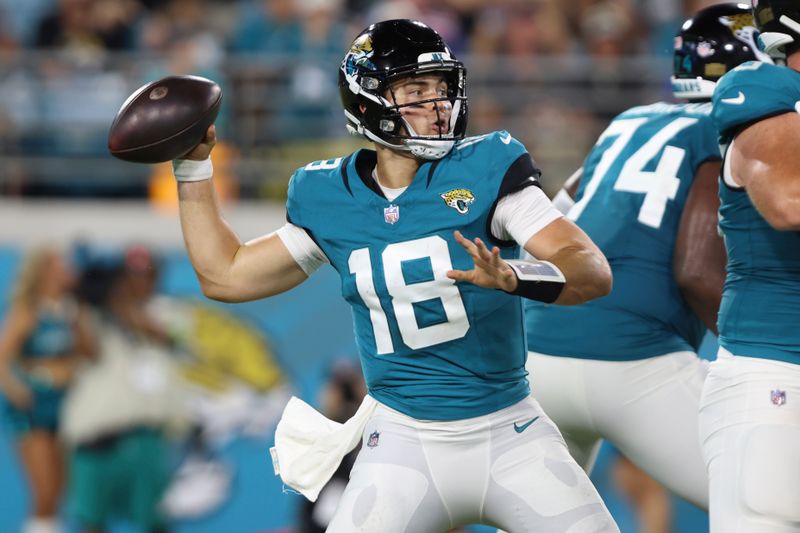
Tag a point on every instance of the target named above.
point(303, 248)
point(519, 216)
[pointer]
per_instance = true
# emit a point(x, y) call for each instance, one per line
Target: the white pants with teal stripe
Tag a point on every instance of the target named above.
point(750, 431)
point(509, 469)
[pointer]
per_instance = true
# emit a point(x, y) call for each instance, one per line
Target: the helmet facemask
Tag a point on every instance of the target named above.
point(779, 24)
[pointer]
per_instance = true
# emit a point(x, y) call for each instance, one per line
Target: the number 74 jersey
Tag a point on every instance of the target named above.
point(631, 197)
point(431, 348)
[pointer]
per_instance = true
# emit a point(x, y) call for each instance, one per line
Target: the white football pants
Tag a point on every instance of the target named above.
point(509, 469)
point(750, 430)
point(647, 408)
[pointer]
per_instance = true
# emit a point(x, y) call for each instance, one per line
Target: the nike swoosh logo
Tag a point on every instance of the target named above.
point(523, 427)
point(506, 138)
point(738, 100)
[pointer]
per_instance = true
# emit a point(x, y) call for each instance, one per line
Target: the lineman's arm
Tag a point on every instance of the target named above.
point(699, 260)
point(764, 159)
point(229, 270)
point(565, 198)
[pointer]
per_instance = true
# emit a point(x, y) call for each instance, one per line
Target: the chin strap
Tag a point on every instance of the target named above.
point(427, 149)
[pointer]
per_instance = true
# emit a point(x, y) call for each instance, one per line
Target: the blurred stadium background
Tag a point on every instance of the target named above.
point(552, 72)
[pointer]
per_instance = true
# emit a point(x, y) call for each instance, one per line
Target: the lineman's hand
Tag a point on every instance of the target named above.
point(203, 150)
point(490, 270)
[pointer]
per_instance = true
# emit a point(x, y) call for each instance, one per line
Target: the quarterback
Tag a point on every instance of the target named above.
point(422, 231)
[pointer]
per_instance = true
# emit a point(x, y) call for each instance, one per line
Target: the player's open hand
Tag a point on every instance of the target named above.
point(203, 150)
point(490, 270)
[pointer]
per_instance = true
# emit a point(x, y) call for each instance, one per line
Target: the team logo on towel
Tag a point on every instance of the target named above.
point(391, 214)
point(778, 396)
point(373, 439)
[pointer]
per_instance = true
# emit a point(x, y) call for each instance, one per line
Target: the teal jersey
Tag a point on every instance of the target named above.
point(760, 309)
point(430, 347)
point(52, 336)
point(634, 187)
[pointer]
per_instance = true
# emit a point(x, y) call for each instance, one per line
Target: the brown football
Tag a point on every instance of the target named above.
point(164, 119)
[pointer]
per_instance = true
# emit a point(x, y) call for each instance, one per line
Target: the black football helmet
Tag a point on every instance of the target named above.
point(779, 24)
point(714, 41)
point(388, 51)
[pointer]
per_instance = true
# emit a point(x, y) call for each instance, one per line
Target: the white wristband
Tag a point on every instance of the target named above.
point(189, 170)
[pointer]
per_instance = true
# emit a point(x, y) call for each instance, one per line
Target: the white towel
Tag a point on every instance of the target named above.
point(309, 447)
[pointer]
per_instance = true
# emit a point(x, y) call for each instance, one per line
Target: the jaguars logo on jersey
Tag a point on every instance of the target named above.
point(459, 199)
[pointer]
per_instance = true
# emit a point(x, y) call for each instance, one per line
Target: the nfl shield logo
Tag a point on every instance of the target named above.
point(705, 49)
point(391, 214)
point(778, 397)
point(373, 439)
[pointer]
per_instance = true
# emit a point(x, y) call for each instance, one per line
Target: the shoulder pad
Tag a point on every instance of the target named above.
point(498, 146)
point(317, 171)
point(751, 92)
point(311, 181)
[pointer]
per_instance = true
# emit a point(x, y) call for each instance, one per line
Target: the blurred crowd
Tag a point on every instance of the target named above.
point(550, 71)
point(495, 27)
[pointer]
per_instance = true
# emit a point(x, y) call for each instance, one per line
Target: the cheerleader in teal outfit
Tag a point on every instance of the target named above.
point(44, 334)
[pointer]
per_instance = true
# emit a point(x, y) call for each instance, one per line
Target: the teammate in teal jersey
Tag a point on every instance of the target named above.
point(750, 413)
point(450, 433)
point(625, 367)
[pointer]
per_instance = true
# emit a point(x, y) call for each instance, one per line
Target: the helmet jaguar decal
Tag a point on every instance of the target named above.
point(359, 55)
point(743, 28)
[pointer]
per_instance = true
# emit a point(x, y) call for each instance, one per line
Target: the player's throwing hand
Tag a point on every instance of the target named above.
point(203, 150)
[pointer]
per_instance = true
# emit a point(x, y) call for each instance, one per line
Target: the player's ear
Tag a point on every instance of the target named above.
point(362, 108)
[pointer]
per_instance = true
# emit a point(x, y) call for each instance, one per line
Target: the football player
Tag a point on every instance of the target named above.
point(421, 230)
point(750, 413)
point(625, 367)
